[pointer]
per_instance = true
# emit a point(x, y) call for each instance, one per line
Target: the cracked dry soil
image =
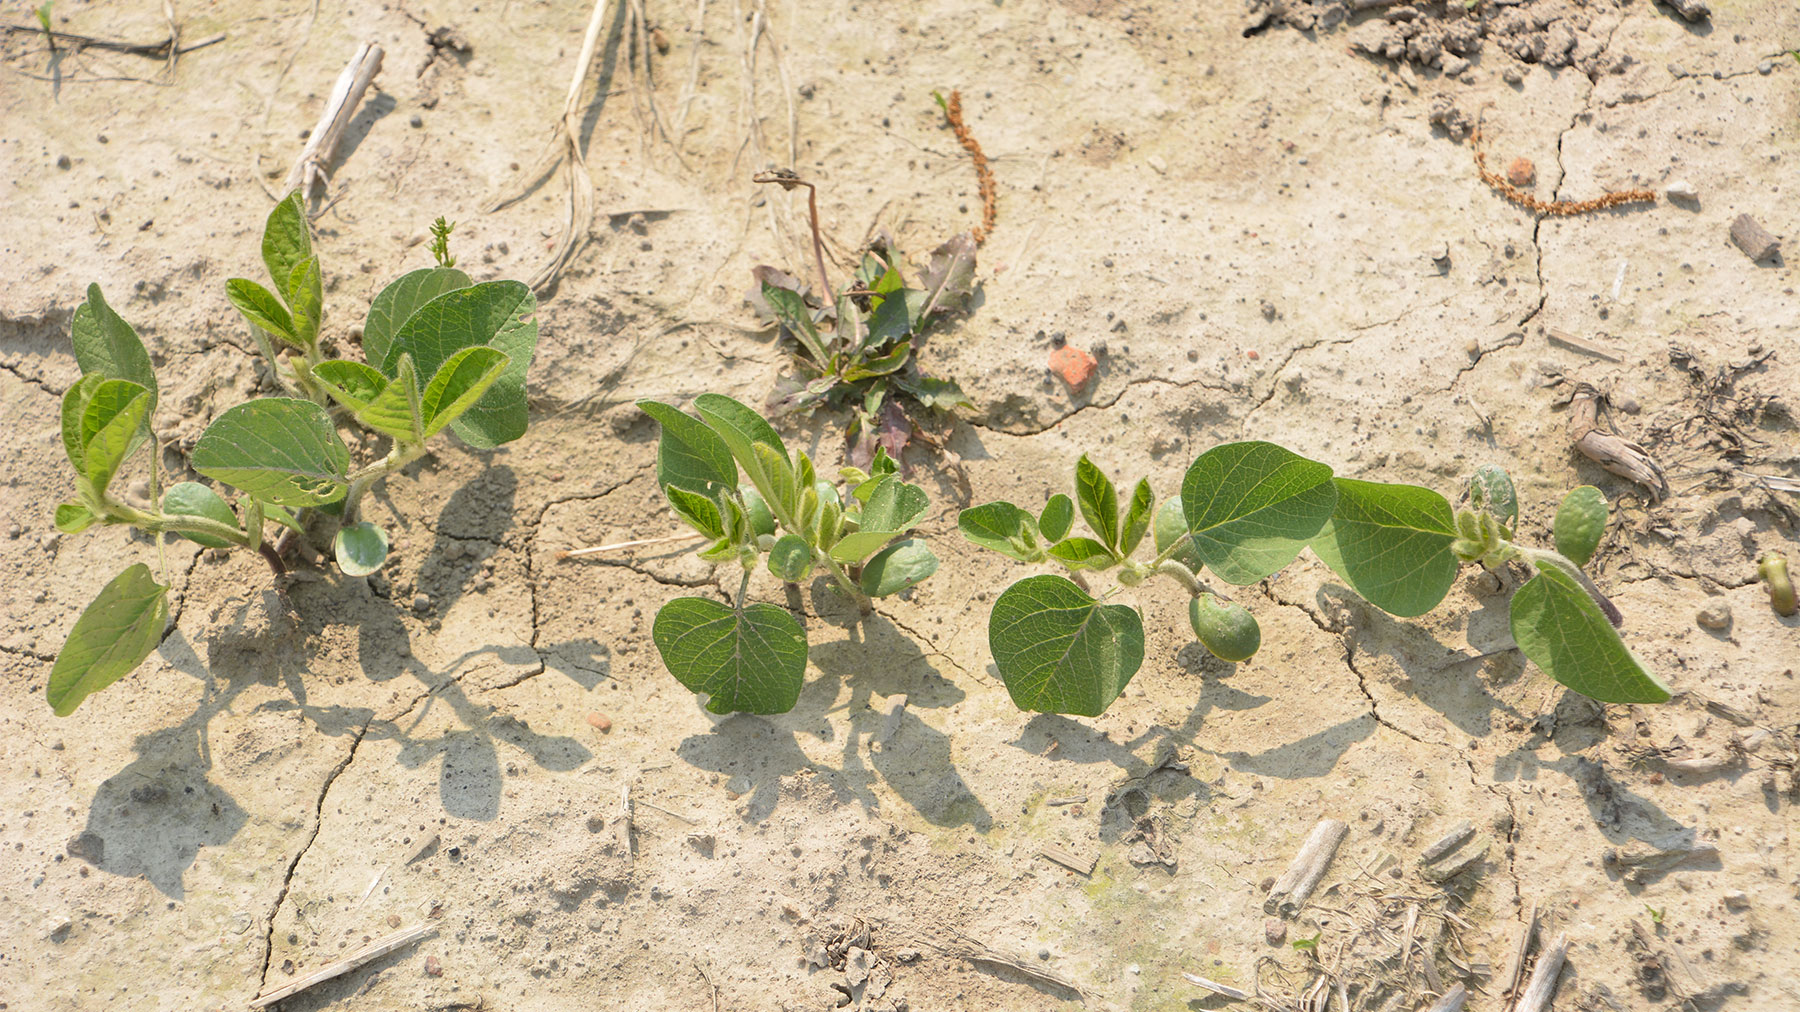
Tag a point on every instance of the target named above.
point(1279, 235)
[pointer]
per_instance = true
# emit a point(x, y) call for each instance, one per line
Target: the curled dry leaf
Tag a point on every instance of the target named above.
point(1617, 454)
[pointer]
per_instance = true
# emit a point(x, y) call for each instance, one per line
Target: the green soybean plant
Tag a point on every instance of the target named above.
point(439, 352)
point(752, 657)
point(1244, 512)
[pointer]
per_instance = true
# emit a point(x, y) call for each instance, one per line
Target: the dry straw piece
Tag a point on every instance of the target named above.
point(1505, 188)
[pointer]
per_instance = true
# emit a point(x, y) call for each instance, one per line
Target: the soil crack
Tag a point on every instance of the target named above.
point(1177, 384)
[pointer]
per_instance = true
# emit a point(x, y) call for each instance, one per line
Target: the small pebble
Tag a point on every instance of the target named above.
point(738, 785)
point(1511, 75)
point(417, 120)
point(432, 967)
point(1681, 189)
point(393, 920)
point(1521, 172)
point(599, 721)
point(1715, 616)
point(1765, 68)
point(1737, 899)
point(421, 603)
point(1274, 931)
point(63, 162)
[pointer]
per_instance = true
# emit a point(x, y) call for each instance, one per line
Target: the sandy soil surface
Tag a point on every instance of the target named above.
point(1264, 222)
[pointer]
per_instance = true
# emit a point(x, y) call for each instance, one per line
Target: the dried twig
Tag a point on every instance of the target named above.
point(1543, 977)
point(620, 545)
point(374, 950)
point(1569, 340)
point(1215, 987)
point(1452, 1001)
point(1505, 188)
point(983, 175)
point(1515, 958)
point(1617, 454)
point(787, 179)
point(322, 143)
point(1303, 875)
point(166, 49)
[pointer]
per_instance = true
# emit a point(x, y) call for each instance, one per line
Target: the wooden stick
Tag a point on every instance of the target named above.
point(1448, 842)
point(618, 545)
point(346, 95)
point(1569, 340)
point(1515, 960)
point(1303, 875)
point(374, 950)
point(1543, 977)
point(1452, 1001)
point(1214, 986)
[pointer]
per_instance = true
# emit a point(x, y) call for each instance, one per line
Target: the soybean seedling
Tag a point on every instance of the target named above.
point(439, 352)
point(1245, 511)
point(752, 657)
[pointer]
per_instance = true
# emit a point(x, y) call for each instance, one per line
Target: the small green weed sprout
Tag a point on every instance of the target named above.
point(440, 352)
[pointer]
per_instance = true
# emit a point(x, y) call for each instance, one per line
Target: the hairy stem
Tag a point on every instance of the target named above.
point(360, 481)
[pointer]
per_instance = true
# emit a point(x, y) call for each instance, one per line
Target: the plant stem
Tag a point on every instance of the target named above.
point(1182, 575)
point(401, 455)
point(850, 589)
point(113, 511)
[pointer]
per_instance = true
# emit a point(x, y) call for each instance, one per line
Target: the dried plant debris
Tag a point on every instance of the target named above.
point(1610, 450)
point(1503, 185)
point(1554, 33)
point(984, 176)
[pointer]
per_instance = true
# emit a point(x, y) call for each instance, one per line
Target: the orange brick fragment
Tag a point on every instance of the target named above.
point(1075, 366)
point(1521, 172)
point(599, 721)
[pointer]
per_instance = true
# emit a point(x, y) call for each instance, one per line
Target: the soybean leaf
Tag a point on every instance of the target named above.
point(396, 304)
point(286, 241)
point(261, 307)
point(1061, 651)
point(1491, 491)
point(355, 385)
point(742, 430)
point(281, 450)
point(192, 499)
point(1003, 527)
point(791, 310)
point(1252, 506)
point(1058, 515)
point(459, 384)
point(894, 506)
point(280, 515)
point(73, 518)
point(1169, 527)
point(751, 661)
point(398, 409)
point(1137, 517)
point(790, 559)
point(689, 455)
point(360, 548)
point(1580, 524)
point(1083, 553)
point(497, 314)
point(110, 427)
point(1560, 628)
point(698, 511)
point(882, 464)
point(1391, 544)
point(110, 639)
point(854, 547)
point(1099, 501)
point(105, 345)
point(306, 297)
point(897, 567)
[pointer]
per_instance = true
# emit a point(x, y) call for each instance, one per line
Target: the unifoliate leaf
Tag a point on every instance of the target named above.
point(396, 304)
point(287, 241)
point(192, 499)
point(1227, 630)
point(1058, 516)
point(697, 511)
point(1137, 518)
point(1580, 524)
point(262, 308)
point(459, 384)
point(750, 661)
point(791, 559)
point(1491, 491)
point(1252, 506)
point(1061, 651)
point(74, 408)
point(110, 639)
point(790, 309)
point(894, 505)
point(1083, 553)
point(360, 548)
point(1560, 628)
point(856, 546)
point(279, 514)
point(1391, 544)
point(1171, 524)
point(105, 345)
point(783, 489)
point(898, 567)
point(398, 409)
point(1003, 527)
point(306, 297)
point(281, 450)
point(882, 365)
point(690, 455)
point(73, 518)
point(355, 385)
point(1098, 500)
point(498, 314)
point(950, 276)
point(742, 430)
point(110, 428)
point(937, 394)
point(756, 510)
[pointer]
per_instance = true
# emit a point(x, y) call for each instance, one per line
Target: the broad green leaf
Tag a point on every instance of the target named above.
point(1226, 629)
point(791, 310)
point(459, 385)
point(287, 241)
point(105, 345)
point(1058, 516)
point(756, 509)
point(697, 511)
point(689, 455)
point(1491, 491)
point(1170, 525)
point(281, 450)
point(881, 366)
point(396, 304)
point(360, 548)
point(306, 297)
point(1099, 501)
point(1252, 506)
point(280, 515)
point(110, 428)
point(901, 565)
point(1061, 651)
point(1083, 553)
point(791, 559)
point(750, 661)
point(262, 308)
point(73, 518)
point(355, 385)
point(1562, 631)
point(110, 639)
point(192, 499)
point(398, 409)
point(1137, 518)
point(893, 319)
point(1580, 524)
point(856, 546)
point(783, 488)
point(1003, 527)
point(742, 430)
point(894, 506)
point(498, 314)
point(1391, 544)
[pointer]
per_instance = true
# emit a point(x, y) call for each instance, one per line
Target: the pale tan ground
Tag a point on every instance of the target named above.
point(1161, 179)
